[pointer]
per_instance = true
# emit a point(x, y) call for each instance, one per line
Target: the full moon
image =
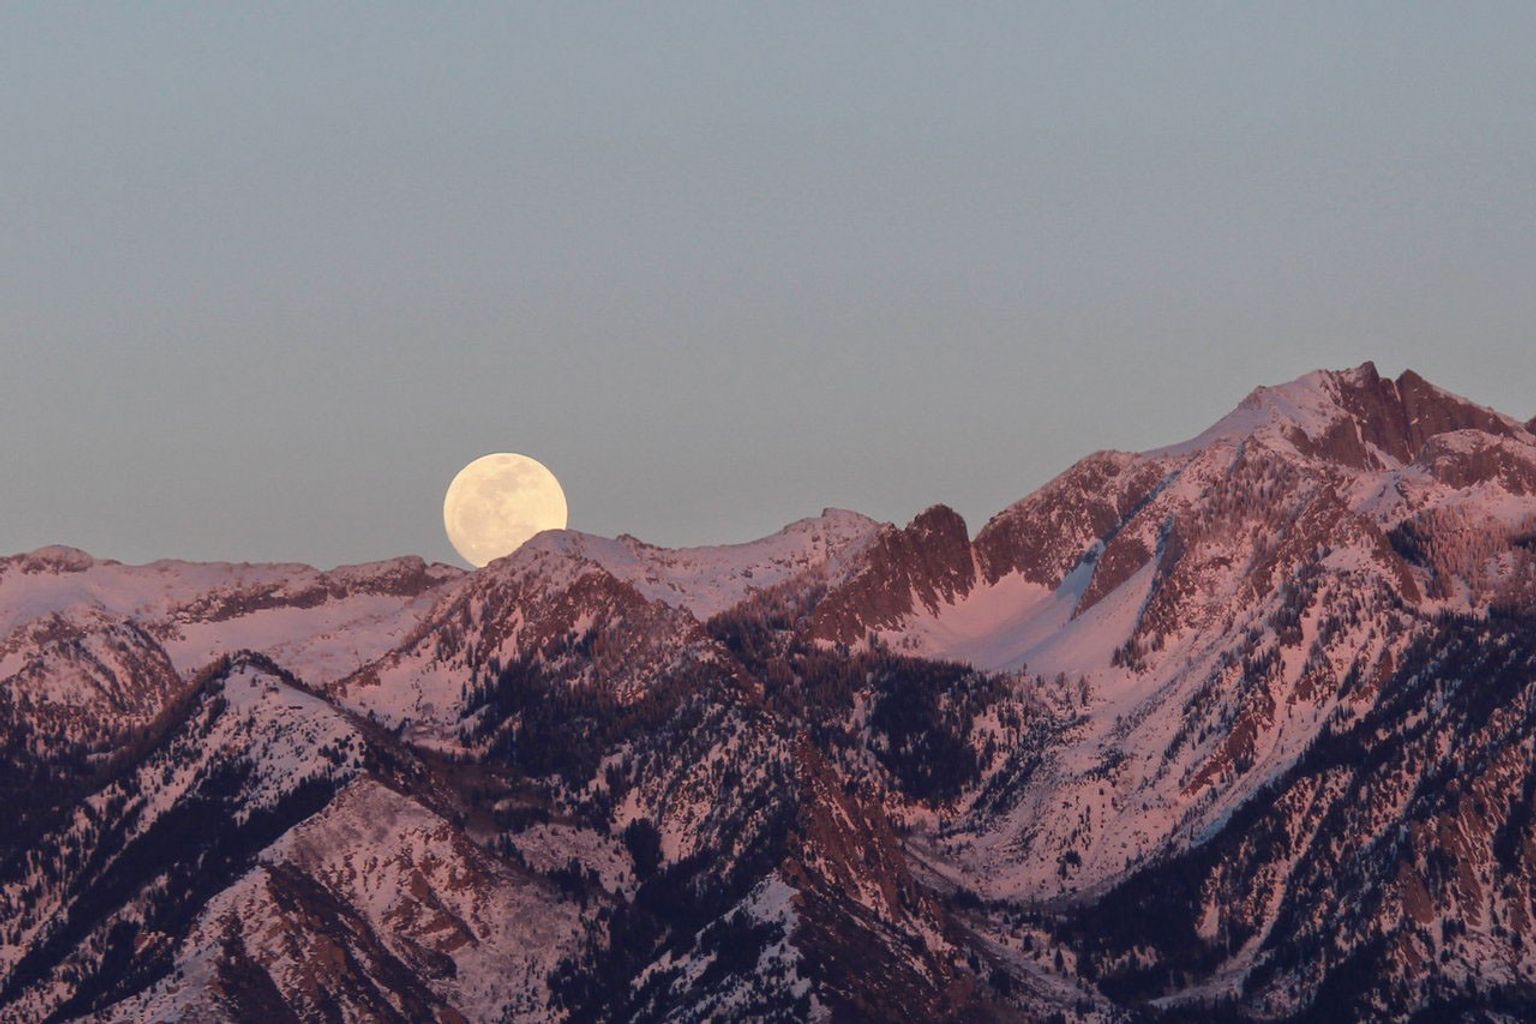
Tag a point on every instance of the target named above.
point(499, 501)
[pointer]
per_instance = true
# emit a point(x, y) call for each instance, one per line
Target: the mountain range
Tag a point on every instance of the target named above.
point(1239, 729)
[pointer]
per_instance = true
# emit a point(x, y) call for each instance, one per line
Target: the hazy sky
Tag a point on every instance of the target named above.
point(270, 276)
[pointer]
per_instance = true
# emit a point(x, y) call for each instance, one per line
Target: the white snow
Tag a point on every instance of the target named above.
point(708, 580)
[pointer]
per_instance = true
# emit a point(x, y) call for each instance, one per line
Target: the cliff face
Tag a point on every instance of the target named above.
point(923, 567)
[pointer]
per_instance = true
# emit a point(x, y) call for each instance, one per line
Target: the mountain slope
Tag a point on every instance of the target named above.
point(1240, 728)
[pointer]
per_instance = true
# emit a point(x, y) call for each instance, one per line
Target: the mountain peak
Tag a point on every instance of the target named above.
point(56, 558)
point(1175, 700)
point(1355, 417)
point(939, 519)
point(707, 580)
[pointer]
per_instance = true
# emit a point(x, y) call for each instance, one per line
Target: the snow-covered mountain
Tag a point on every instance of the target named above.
point(1241, 728)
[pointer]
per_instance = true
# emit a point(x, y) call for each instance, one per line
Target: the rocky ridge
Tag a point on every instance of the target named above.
point(1235, 729)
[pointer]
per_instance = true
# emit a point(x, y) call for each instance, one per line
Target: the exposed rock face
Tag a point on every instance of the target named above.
point(924, 566)
point(1044, 536)
point(1396, 418)
point(1235, 729)
point(1465, 459)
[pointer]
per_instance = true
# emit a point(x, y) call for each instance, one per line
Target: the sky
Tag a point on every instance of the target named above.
point(271, 274)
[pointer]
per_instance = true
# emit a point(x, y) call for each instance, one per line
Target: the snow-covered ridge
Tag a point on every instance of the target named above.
point(708, 580)
point(431, 791)
point(319, 624)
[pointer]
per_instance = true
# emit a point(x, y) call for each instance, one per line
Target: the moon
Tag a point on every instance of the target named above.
point(496, 503)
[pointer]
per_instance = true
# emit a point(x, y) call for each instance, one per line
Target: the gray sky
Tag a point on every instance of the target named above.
point(269, 278)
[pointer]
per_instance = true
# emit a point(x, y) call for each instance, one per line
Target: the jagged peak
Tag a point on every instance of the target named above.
point(1087, 475)
point(1355, 417)
point(936, 524)
point(939, 518)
